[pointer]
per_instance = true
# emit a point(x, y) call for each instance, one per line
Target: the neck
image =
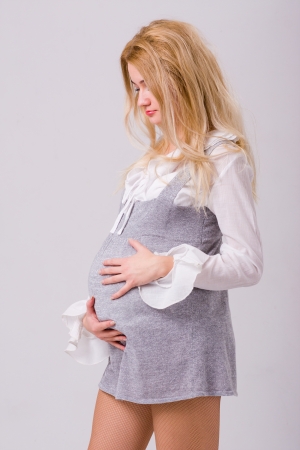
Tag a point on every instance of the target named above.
point(180, 136)
point(170, 148)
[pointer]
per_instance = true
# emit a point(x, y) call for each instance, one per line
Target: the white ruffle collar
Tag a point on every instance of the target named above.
point(137, 178)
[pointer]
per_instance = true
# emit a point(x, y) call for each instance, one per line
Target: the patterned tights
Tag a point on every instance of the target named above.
point(191, 424)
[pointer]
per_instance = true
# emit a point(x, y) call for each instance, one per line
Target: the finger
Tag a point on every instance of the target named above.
point(119, 337)
point(90, 305)
point(122, 291)
point(114, 279)
point(111, 333)
point(110, 270)
point(98, 328)
point(90, 301)
point(106, 324)
point(120, 346)
point(113, 262)
point(137, 245)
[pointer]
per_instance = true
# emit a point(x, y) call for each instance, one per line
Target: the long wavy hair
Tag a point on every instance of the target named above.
point(185, 78)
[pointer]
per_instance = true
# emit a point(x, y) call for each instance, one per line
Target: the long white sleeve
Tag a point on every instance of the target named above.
point(240, 261)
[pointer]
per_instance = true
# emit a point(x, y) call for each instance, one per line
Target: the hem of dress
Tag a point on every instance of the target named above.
point(170, 399)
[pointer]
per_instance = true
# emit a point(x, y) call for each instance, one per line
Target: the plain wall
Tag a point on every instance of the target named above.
point(63, 145)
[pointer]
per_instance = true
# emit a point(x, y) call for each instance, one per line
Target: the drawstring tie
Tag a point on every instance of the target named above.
point(128, 200)
point(125, 211)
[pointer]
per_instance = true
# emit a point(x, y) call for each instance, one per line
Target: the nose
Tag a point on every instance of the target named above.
point(144, 99)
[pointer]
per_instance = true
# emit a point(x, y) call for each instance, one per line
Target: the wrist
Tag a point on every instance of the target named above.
point(165, 265)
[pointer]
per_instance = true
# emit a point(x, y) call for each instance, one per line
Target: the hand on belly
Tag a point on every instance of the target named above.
point(136, 270)
point(101, 329)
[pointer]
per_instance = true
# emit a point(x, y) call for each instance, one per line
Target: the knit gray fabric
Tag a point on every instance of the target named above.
point(183, 351)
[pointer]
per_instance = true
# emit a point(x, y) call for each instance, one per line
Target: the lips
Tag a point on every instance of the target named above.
point(150, 112)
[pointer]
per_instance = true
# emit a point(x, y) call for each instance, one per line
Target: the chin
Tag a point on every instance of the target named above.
point(155, 121)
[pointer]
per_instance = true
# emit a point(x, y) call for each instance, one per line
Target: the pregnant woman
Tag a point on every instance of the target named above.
point(186, 232)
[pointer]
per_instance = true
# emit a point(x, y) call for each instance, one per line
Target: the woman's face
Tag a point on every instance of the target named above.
point(146, 100)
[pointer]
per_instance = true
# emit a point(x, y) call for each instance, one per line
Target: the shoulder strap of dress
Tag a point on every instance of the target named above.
point(183, 176)
point(174, 186)
point(210, 149)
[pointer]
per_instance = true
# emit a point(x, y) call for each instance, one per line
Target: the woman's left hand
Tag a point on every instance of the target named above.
point(136, 270)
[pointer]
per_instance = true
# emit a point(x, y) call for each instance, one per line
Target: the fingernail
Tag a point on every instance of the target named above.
point(112, 323)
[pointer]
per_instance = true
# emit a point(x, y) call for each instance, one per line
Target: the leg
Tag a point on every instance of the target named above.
point(119, 424)
point(192, 424)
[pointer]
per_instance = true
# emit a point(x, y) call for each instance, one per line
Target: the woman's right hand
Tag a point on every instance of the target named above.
point(99, 329)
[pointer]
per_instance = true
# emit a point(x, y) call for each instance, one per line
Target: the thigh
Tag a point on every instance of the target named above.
point(118, 424)
point(192, 424)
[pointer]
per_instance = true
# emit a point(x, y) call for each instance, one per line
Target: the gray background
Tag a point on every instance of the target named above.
point(63, 146)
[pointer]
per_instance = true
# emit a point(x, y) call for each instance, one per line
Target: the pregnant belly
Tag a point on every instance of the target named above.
point(120, 310)
point(129, 310)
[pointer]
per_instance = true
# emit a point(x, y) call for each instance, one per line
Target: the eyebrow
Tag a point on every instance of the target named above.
point(142, 81)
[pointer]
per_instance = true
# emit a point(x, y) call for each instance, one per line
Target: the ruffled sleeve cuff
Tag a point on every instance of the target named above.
point(179, 282)
point(83, 346)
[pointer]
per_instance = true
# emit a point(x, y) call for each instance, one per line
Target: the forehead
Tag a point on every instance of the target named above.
point(134, 74)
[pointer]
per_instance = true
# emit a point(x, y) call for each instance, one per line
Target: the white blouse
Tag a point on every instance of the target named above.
point(239, 263)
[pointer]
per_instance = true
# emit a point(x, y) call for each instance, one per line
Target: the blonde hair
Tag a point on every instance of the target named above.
point(185, 78)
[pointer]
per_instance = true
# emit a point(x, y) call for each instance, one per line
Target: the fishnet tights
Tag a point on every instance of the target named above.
point(191, 424)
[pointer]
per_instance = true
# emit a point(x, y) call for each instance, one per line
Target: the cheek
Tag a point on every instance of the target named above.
point(154, 102)
point(157, 118)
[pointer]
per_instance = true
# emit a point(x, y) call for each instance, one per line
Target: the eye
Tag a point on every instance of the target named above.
point(136, 89)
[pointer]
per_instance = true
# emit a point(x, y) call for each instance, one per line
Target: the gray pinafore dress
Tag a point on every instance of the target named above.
point(180, 352)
